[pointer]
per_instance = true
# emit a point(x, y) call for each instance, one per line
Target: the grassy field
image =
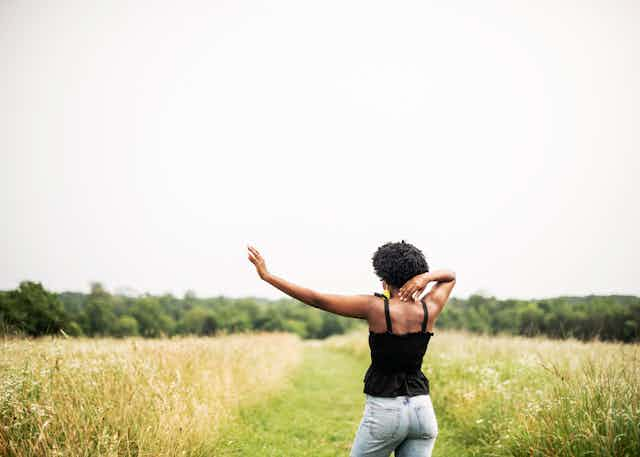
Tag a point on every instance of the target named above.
point(275, 395)
point(513, 396)
point(133, 397)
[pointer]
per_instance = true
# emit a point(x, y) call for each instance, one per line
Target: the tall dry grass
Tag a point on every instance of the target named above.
point(505, 395)
point(133, 397)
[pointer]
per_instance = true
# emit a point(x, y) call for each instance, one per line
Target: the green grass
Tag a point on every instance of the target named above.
point(318, 415)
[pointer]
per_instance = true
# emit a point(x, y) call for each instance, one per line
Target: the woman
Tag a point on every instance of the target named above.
point(398, 413)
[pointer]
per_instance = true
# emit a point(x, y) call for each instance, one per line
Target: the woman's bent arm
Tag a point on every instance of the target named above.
point(419, 282)
point(441, 275)
point(439, 293)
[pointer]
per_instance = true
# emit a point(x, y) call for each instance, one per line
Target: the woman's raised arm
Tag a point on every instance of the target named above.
point(345, 305)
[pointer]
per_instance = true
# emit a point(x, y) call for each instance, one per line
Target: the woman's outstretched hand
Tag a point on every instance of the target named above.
point(415, 284)
point(258, 261)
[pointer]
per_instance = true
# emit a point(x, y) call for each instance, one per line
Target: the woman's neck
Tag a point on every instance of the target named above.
point(393, 292)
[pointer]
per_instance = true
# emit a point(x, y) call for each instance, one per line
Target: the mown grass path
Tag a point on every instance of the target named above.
point(318, 416)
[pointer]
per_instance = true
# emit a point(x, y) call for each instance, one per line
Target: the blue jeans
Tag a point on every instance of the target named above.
point(406, 425)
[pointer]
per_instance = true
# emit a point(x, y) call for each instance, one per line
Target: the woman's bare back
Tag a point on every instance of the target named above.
point(406, 316)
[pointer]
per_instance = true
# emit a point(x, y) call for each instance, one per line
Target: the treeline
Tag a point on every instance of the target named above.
point(604, 317)
point(32, 310)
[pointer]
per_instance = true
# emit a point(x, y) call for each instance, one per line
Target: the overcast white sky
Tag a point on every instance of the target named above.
point(144, 144)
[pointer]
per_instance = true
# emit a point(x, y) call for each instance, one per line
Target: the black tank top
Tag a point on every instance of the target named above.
point(396, 360)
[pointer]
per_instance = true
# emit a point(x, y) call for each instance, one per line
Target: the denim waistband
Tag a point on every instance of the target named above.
point(394, 401)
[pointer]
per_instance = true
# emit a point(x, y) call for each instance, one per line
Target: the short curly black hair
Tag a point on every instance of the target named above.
point(396, 263)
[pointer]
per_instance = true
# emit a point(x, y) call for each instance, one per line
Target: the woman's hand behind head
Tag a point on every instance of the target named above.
point(415, 284)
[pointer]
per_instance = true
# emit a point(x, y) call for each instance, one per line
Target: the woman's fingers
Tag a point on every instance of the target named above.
point(255, 257)
point(255, 252)
point(257, 260)
point(407, 290)
point(407, 293)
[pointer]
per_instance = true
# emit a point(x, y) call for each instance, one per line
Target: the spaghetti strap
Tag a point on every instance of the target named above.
point(387, 316)
point(426, 316)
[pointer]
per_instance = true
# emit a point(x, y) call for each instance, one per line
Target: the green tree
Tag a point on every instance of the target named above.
point(153, 321)
point(126, 326)
point(198, 321)
point(99, 313)
point(33, 310)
